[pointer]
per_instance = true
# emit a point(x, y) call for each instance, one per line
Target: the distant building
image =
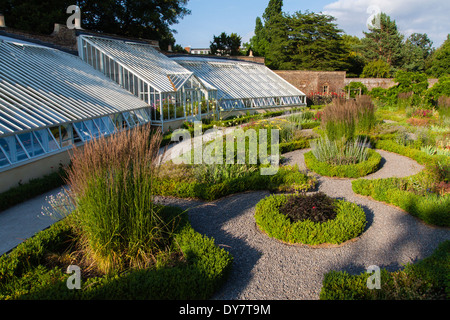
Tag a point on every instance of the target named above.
point(205, 51)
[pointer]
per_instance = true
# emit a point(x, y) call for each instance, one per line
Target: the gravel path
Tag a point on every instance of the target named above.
point(267, 269)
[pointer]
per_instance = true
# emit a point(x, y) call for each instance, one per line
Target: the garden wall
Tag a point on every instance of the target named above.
point(313, 82)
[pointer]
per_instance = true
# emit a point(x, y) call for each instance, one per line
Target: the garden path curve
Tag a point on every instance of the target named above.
point(264, 268)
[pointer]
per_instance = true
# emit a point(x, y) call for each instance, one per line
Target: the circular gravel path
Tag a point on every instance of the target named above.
point(265, 269)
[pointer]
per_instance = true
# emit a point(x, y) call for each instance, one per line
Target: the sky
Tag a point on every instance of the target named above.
point(212, 17)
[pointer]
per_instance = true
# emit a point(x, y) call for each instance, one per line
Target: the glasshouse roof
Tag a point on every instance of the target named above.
point(236, 79)
point(42, 87)
point(162, 73)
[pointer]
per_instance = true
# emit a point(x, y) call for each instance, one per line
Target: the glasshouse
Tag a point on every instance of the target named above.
point(172, 91)
point(51, 100)
point(242, 84)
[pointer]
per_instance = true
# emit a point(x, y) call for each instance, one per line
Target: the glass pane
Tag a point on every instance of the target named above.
point(101, 127)
point(83, 131)
point(109, 124)
point(46, 140)
point(13, 149)
point(31, 144)
point(92, 128)
point(66, 135)
point(128, 119)
point(3, 160)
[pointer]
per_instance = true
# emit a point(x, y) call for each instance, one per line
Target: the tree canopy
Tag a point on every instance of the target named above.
point(226, 45)
point(150, 19)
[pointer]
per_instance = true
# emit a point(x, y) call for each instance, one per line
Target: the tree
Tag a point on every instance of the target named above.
point(306, 41)
point(383, 42)
point(355, 57)
point(151, 19)
point(258, 42)
point(226, 45)
point(377, 69)
point(35, 16)
point(274, 9)
point(416, 50)
point(440, 61)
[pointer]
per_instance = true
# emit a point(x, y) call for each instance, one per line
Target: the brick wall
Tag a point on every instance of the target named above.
point(314, 81)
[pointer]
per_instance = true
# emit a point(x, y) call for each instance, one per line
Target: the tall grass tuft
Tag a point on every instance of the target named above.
point(340, 152)
point(343, 118)
point(111, 184)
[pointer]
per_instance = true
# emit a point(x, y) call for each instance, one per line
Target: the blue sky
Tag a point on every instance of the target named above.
point(212, 17)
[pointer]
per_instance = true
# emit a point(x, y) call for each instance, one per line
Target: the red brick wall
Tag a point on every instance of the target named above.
point(314, 81)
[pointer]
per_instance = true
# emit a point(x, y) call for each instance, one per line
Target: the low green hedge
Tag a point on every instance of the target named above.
point(427, 279)
point(25, 273)
point(415, 154)
point(361, 169)
point(349, 223)
point(431, 208)
point(288, 178)
point(33, 188)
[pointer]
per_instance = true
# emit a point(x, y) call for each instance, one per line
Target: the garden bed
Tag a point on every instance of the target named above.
point(36, 269)
point(347, 224)
point(362, 169)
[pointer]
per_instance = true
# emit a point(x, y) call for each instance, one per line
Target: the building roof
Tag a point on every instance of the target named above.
point(43, 87)
point(164, 74)
point(237, 79)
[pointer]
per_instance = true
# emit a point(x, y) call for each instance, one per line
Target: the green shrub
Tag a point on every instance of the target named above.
point(287, 178)
point(358, 170)
point(431, 208)
point(348, 224)
point(27, 273)
point(33, 188)
point(426, 280)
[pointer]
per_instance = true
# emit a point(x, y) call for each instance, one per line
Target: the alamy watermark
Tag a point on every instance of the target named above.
point(374, 20)
point(241, 147)
point(74, 281)
point(374, 281)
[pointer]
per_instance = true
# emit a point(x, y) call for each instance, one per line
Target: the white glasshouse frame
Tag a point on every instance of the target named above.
point(243, 85)
point(172, 91)
point(51, 100)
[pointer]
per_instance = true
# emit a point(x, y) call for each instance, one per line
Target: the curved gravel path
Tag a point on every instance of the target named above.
point(266, 269)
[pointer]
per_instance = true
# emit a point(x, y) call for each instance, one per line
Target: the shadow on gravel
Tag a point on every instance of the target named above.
point(213, 219)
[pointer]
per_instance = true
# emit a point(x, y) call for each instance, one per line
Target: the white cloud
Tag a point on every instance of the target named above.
point(430, 17)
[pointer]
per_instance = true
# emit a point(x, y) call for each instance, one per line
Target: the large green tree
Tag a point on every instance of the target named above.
point(384, 41)
point(35, 16)
point(150, 19)
point(308, 41)
point(440, 60)
point(226, 45)
point(417, 49)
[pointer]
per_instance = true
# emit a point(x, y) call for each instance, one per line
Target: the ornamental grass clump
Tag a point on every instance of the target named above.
point(340, 152)
point(344, 118)
point(111, 186)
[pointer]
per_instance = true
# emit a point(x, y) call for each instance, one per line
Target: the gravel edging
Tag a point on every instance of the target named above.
point(265, 269)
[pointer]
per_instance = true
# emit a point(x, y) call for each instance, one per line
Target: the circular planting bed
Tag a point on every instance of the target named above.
point(362, 169)
point(314, 220)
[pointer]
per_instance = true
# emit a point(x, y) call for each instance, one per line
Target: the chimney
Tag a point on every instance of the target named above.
point(169, 49)
point(2, 21)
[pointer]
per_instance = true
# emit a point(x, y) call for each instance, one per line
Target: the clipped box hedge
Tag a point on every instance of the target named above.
point(25, 274)
point(349, 223)
point(427, 279)
point(431, 208)
point(362, 169)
